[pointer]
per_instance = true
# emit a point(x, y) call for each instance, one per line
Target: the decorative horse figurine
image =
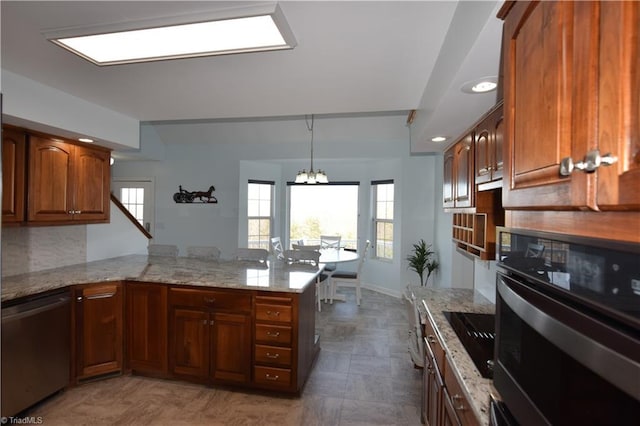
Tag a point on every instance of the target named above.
point(202, 195)
point(184, 196)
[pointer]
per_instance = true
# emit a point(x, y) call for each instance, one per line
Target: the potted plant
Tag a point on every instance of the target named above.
point(421, 260)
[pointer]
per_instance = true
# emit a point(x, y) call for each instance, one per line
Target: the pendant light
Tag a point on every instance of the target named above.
point(311, 177)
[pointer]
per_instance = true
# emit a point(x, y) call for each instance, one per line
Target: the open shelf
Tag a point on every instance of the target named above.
point(475, 233)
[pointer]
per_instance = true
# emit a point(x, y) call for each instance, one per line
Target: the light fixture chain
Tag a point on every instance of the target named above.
point(311, 130)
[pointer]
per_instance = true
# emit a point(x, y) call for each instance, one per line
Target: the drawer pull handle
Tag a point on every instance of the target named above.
point(432, 338)
point(209, 300)
point(458, 402)
point(276, 334)
point(100, 296)
point(271, 314)
point(270, 377)
point(274, 356)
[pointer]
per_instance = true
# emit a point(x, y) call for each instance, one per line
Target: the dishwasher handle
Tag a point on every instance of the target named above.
point(34, 307)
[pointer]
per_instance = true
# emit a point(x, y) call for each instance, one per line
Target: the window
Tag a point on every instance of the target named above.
point(259, 212)
point(383, 218)
point(133, 200)
point(136, 195)
point(330, 209)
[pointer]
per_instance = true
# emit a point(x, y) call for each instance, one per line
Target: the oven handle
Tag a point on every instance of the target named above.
point(618, 369)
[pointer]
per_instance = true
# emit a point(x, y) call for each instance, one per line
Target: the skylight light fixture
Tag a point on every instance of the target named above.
point(237, 30)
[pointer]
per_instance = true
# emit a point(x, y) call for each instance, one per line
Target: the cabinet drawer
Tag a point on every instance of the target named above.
point(459, 400)
point(273, 334)
point(434, 344)
point(274, 313)
point(273, 355)
point(276, 377)
point(210, 299)
point(274, 300)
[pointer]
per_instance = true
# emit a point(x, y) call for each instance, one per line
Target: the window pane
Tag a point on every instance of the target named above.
point(384, 202)
point(324, 210)
point(259, 200)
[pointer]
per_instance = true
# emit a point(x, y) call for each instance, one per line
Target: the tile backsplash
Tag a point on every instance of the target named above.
point(30, 249)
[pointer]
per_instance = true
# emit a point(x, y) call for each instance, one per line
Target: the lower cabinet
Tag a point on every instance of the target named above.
point(146, 330)
point(210, 335)
point(98, 311)
point(443, 401)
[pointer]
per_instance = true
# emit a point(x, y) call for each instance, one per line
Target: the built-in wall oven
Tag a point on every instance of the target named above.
point(567, 348)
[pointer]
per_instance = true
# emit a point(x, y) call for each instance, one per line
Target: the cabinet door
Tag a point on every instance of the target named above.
point(497, 145)
point(189, 344)
point(50, 176)
point(91, 184)
point(147, 328)
point(99, 329)
point(619, 105)
point(447, 186)
point(13, 175)
point(231, 348)
point(484, 154)
point(464, 172)
point(550, 69)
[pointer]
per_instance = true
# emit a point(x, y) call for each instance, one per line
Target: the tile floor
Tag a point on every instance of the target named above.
point(363, 376)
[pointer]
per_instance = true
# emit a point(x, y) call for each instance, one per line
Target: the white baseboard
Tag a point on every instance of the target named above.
point(383, 290)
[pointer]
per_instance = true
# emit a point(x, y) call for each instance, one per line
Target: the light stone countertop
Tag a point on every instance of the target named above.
point(246, 275)
point(437, 300)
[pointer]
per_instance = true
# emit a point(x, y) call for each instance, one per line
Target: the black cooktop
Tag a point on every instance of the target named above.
point(477, 334)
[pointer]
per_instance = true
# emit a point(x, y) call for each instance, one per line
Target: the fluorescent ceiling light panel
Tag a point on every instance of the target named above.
point(261, 32)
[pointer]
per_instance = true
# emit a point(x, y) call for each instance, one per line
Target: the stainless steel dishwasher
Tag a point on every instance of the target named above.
point(36, 337)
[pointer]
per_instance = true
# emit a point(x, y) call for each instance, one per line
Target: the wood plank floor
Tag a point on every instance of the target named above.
point(363, 376)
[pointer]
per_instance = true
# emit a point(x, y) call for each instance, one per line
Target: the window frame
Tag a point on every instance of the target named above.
point(375, 186)
point(266, 244)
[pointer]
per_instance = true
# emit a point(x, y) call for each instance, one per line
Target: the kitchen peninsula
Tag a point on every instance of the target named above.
point(239, 323)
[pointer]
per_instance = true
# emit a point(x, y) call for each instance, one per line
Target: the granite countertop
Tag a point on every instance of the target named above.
point(270, 276)
point(437, 300)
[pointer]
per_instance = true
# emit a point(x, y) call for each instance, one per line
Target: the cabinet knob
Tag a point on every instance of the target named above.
point(432, 339)
point(589, 164)
point(79, 299)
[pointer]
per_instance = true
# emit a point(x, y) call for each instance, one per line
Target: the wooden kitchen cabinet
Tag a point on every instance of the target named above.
point(581, 96)
point(210, 335)
point(147, 329)
point(99, 329)
point(67, 183)
point(488, 140)
point(443, 400)
point(458, 184)
point(13, 174)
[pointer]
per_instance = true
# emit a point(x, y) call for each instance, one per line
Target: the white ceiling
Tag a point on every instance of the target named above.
point(351, 58)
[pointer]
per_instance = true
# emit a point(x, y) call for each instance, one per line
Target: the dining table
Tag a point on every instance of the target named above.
point(332, 255)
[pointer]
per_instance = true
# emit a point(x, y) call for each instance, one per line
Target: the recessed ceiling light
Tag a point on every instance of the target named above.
point(480, 85)
point(238, 30)
point(438, 139)
point(86, 140)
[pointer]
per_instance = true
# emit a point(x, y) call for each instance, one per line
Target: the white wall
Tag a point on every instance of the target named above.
point(39, 107)
point(119, 237)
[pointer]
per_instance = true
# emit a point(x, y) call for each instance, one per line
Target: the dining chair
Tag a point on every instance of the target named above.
point(310, 257)
point(256, 254)
point(276, 248)
point(203, 252)
point(165, 250)
point(340, 278)
point(330, 242)
point(415, 344)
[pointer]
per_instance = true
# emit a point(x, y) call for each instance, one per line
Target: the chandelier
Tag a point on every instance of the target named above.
point(311, 177)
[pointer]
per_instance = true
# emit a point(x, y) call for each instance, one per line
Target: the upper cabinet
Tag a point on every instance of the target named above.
point(13, 174)
point(572, 122)
point(67, 183)
point(488, 137)
point(458, 184)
